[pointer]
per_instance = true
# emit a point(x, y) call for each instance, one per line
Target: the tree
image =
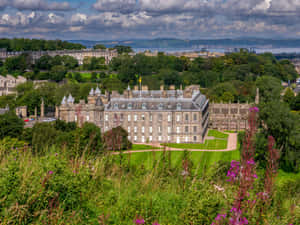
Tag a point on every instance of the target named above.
point(43, 136)
point(10, 125)
point(269, 88)
point(123, 49)
point(58, 73)
point(296, 103)
point(289, 96)
point(99, 46)
point(117, 139)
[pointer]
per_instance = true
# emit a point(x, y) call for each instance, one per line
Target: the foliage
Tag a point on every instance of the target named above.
point(123, 49)
point(21, 44)
point(99, 46)
point(116, 139)
point(10, 125)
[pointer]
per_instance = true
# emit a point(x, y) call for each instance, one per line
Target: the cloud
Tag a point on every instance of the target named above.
point(41, 5)
point(122, 6)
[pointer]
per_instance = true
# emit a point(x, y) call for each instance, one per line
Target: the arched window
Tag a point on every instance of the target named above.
point(144, 106)
point(116, 106)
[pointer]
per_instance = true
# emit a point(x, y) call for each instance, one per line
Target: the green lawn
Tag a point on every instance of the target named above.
point(86, 75)
point(200, 159)
point(216, 144)
point(142, 147)
point(217, 134)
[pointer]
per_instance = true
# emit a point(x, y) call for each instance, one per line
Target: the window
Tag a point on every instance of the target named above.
point(75, 117)
point(135, 117)
point(178, 118)
point(150, 118)
point(144, 106)
point(106, 128)
point(116, 106)
point(159, 117)
point(106, 117)
point(178, 106)
point(129, 137)
point(169, 130)
point(150, 138)
point(135, 129)
point(186, 129)
point(122, 116)
point(178, 140)
point(143, 129)
point(159, 138)
point(195, 129)
point(143, 139)
point(159, 129)
point(129, 106)
point(128, 129)
point(129, 118)
point(186, 117)
point(143, 117)
point(178, 130)
point(160, 106)
point(169, 138)
point(169, 118)
point(195, 117)
point(150, 129)
point(195, 138)
point(186, 139)
point(135, 138)
point(87, 118)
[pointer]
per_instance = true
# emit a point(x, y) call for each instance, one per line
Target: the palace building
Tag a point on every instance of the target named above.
point(174, 116)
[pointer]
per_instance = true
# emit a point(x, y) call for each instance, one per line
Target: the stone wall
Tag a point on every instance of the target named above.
point(229, 116)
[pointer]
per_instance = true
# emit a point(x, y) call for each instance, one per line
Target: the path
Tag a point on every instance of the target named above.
point(231, 146)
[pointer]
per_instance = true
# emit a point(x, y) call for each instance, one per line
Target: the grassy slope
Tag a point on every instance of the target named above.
point(142, 147)
point(216, 144)
point(217, 134)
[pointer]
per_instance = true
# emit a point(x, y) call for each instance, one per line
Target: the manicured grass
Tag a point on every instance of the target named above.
point(142, 147)
point(217, 134)
point(200, 160)
point(86, 75)
point(216, 144)
point(230, 131)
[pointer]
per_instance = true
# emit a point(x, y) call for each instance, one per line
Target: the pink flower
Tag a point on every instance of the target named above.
point(155, 223)
point(254, 109)
point(139, 221)
point(50, 172)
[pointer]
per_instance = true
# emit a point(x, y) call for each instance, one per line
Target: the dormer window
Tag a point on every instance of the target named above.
point(160, 106)
point(129, 106)
point(178, 106)
point(144, 106)
point(116, 106)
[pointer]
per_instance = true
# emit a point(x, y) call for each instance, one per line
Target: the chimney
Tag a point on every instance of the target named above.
point(161, 87)
point(172, 87)
point(136, 87)
point(144, 88)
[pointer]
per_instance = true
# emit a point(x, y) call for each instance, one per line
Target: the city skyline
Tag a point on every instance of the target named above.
point(127, 19)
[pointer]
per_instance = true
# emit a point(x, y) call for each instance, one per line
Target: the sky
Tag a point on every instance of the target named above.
point(149, 19)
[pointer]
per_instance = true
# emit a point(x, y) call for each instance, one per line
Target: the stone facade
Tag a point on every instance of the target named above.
point(229, 116)
point(9, 83)
point(175, 116)
point(78, 54)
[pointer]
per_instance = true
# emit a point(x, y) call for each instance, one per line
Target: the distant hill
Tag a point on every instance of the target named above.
point(178, 43)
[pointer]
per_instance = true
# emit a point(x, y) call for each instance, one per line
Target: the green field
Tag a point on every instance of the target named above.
point(217, 134)
point(200, 160)
point(216, 144)
point(142, 147)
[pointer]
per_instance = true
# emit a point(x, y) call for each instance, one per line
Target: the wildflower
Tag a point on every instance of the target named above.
point(56, 154)
point(50, 172)
point(139, 221)
point(254, 109)
point(155, 223)
point(251, 162)
point(255, 176)
point(74, 171)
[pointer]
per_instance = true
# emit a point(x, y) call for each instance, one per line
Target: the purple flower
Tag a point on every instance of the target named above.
point(255, 176)
point(254, 109)
point(56, 154)
point(251, 162)
point(50, 172)
point(74, 171)
point(155, 223)
point(139, 221)
point(220, 216)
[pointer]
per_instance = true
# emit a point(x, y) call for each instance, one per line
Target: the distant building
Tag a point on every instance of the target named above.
point(175, 116)
point(9, 83)
point(78, 54)
point(4, 110)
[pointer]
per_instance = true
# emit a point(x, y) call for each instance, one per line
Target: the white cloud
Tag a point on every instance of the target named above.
point(123, 6)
